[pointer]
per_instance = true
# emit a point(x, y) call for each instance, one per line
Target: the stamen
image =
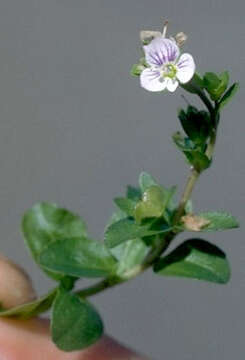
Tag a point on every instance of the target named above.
point(165, 28)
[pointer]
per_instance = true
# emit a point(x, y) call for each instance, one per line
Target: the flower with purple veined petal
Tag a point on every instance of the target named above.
point(166, 66)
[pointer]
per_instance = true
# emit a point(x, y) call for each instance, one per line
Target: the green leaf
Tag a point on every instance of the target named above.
point(219, 221)
point(137, 69)
point(194, 85)
point(126, 205)
point(194, 156)
point(30, 309)
point(152, 204)
point(199, 160)
point(183, 143)
point(228, 95)
point(75, 324)
point(196, 259)
point(196, 124)
point(130, 254)
point(127, 229)
point(46, 223)
point(216, 84)
point(80, 257)
point(133, 193)
point(146, 181)
point(116, 216)
point(211, 81)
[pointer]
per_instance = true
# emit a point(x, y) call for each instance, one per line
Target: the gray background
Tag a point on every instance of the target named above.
point(75, 128)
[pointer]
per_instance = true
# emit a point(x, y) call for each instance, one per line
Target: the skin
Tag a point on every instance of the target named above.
point(30, 339)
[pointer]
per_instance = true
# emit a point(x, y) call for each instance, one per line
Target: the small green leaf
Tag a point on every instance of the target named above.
point(75, 324)
point(133, 193)
point(196, 259)
point(224, 77)
point(34, 308)
point(146, 181)
point(183, 143)
point(116, 216)
point(127, 229)
point(196, 124)
point(155, 201)
point(80, 257)
point(194, 156)
point(137, 69)
point(46, 223)
point(130, 254)
point(126, 205)
point(216, 84)
point(152, 204)
point(228, 95)
point(211, 81)
point(199, 160)
point(219, 221)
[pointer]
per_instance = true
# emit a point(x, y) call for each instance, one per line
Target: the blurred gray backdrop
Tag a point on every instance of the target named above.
point(76, 128)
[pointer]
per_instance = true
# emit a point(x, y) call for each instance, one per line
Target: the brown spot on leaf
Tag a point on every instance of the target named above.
point(194, 222)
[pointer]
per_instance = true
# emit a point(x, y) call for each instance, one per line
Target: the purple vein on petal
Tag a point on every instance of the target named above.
point(182, 63)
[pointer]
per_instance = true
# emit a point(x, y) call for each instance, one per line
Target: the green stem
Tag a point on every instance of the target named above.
point(128, 275)
point(206, 101)
point(186, 194)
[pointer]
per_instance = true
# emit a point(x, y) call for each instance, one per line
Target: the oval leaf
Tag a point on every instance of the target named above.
point(80, 257)
point(130, 254)
point(152, 204)
point(126, 229)
point(126, 205)
point(46, 223)
point(75, 324)
point(219, 221)
point(145, 181)
point(196, 259)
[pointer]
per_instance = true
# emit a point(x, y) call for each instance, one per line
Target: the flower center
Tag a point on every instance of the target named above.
point(169, 70)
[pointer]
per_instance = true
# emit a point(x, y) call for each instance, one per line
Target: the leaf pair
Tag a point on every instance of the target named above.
point(194, 155)
point(44, 224)
point(215, 85)
point(59, 244)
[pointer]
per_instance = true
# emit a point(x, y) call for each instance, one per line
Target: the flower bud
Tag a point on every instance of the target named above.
point(180, 38)
point(15, 285)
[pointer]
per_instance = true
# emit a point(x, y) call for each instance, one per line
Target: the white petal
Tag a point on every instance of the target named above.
point(186, 68)
point(161, 51)
point(151, 80)
point(172, 84)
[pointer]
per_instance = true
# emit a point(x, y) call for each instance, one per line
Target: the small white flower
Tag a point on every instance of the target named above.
point(166, 67)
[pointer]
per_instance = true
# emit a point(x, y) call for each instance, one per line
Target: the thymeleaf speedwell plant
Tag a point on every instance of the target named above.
point(148, 218)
